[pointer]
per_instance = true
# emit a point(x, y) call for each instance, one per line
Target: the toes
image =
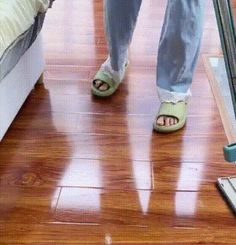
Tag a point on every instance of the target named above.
point(97, 83)
point(166, 121)
point(100, 85)
point(171, 121)
point(103, 87)
point(160, 121)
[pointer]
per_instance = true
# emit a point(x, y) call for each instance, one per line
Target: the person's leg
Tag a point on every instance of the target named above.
point(178, 51)
point(120, 19)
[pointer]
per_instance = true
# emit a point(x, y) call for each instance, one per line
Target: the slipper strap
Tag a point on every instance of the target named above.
point(177, 110)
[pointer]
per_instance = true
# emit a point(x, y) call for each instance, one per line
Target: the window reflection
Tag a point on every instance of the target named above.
point(85, 177)
point(82, 173)
point(185, 203)
point(189, 179)
point(80, 199)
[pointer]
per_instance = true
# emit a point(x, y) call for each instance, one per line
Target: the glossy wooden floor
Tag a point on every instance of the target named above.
point(79, 170)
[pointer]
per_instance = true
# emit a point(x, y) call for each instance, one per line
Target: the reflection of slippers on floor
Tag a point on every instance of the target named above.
point(105, 77)
point(177, 110)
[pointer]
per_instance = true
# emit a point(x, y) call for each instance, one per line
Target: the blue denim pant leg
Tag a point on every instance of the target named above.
point(179, 48)
point(120, 18)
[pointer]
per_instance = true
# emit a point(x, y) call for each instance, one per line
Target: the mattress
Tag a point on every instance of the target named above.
point(20, 23)
point(16, 16)
point(20, 46)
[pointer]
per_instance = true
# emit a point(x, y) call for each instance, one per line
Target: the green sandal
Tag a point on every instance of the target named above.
point(178, 110)
point(105, 77)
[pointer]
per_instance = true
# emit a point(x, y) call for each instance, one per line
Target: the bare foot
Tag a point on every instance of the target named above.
point(166, 121)
point(100, 85)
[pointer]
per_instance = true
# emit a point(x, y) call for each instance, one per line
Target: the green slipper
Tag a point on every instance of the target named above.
point(178, 110)
point(105, 77)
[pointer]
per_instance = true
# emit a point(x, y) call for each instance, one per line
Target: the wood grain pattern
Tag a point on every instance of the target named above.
point(79, 170)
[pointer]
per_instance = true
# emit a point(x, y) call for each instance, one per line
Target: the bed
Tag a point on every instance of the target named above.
point(21, 55)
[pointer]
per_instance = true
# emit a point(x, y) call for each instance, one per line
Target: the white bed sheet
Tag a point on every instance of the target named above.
point(16, 16)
